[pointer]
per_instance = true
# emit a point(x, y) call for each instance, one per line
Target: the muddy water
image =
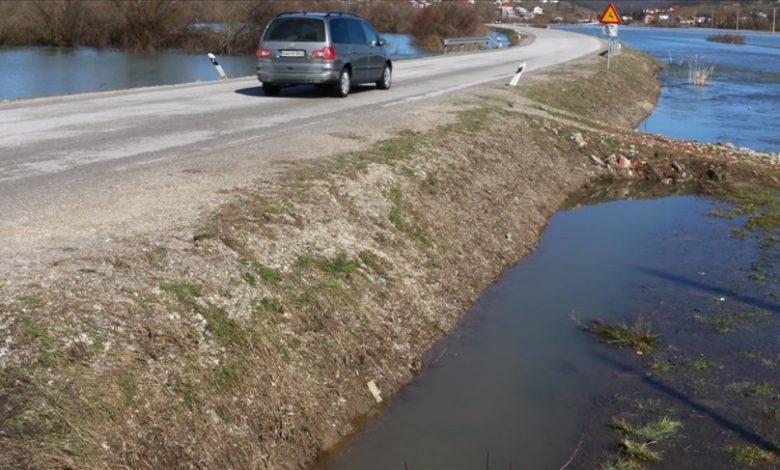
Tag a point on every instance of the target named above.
point(518, 382)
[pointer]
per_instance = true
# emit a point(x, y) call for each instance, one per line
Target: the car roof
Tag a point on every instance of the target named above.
point(316, 14)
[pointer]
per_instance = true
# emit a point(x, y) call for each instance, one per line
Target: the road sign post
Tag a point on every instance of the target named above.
point(611, 19)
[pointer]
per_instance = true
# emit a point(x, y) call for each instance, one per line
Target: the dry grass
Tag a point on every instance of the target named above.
point(699, 72)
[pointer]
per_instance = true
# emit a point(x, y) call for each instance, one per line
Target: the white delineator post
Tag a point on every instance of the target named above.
point(221, 72)
point(518, 74)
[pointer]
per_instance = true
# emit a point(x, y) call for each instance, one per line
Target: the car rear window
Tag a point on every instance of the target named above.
point(296, 29)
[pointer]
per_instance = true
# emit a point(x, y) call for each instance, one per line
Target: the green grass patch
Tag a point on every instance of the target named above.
point(658, 430)
point(31, 301)
point(637, 443)
point(184, 292)
point(387, 152)
point(621, 463)
point(722, 323)
point(337, 266)
point(752, 389)
point(727, 322)
point(661, 365)
point(470, 120)
point(701, 363)
point(751, 455)
point(267, 307)
point(638, 336)
point(226, 331)
point(639, 451)
point(47, 349)
point(758, 206)
point(281, 208)
point(129, 388)
point(254, 271)
point(157, 255)
point(227, 376)
point(398, 216)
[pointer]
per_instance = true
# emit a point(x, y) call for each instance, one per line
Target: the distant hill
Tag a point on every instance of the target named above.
point(627, 7)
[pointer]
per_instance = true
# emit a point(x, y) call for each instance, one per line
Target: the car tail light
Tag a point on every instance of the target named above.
point(262, 53)
point(326, 53)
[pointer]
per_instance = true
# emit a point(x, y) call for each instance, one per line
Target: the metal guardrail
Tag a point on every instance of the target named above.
point(472, 40)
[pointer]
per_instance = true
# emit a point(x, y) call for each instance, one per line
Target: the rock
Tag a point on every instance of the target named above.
point(579, 140)
point(677, 167)
point(667, 181)
point(596, 160)
point(508, 237)
point(714, 175)
point(612, 159)
point(623, 162)
point(375, 391)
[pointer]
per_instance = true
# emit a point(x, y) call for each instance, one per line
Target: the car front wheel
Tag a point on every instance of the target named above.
point(387, 78)
point(341, 88)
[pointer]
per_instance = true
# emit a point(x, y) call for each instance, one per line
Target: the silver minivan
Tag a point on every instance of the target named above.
point(329, 49)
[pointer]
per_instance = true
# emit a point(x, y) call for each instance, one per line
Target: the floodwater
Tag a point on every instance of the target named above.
point(516, 382)
point(742, 103)
point(29, 72)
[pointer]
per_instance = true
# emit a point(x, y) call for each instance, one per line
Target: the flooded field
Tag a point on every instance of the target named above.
point(28, 71)
point(743, 94)
point(522, 383)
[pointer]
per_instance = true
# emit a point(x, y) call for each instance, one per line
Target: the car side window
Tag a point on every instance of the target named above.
point(356, 33)
point(370, 33)
point(339, 31)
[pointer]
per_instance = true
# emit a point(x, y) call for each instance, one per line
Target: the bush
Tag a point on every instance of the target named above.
point(727, 38)
point(447, 19)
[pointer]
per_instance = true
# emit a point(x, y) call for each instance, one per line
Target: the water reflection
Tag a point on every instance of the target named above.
point(48, 71)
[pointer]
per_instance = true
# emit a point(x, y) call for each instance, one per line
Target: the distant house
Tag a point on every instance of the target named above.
point(686, 20)
point(507, 9)
point(538, 11)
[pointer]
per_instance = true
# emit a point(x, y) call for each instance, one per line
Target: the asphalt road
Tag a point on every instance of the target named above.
point(106, 165)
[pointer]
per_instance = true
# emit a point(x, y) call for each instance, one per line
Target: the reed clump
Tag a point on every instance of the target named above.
point(699, 72)
point(638, 336)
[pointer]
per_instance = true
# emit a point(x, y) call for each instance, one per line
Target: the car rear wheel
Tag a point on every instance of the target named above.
point(341, 89)
point(387, 78)
point(271, 89)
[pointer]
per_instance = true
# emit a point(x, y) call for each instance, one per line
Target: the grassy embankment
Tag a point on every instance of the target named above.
point(251, 343)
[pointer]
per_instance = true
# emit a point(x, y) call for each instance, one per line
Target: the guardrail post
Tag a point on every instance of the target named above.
point(518, 74)
point(221, 72)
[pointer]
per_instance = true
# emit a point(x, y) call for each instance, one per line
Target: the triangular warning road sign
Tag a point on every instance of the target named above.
point(610, 15)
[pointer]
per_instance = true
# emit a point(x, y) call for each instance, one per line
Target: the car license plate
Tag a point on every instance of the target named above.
point(292, 53)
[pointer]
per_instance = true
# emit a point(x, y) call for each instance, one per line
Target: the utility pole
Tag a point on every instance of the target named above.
point(774, 15)
point(737, 19)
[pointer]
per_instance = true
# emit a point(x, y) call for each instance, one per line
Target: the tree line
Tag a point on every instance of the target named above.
point(179, 24)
